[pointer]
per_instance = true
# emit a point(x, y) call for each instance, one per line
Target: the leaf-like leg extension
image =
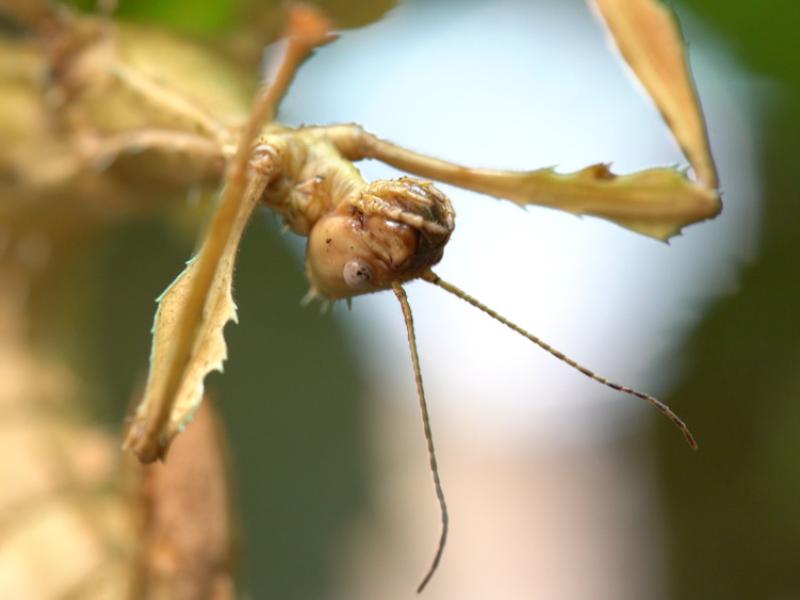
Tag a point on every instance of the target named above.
point(174, 156)
point(188, 339)
point(647, 34)
point(656, 202)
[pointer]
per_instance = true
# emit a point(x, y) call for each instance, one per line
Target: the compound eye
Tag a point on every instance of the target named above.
point(357, 275)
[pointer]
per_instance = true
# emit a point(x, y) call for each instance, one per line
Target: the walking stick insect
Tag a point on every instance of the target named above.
point(369, 237)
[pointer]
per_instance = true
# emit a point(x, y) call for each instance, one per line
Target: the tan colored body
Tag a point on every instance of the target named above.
point(362, 236)
point(132, 118)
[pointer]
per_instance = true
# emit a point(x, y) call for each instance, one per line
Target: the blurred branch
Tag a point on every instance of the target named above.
point(188, 543)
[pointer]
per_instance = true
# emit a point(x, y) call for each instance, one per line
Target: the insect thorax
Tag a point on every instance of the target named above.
point(363, 236)
point(313, 179)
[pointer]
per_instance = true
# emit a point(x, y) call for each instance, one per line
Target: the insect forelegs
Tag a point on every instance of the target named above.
point(655, 202)
point(172, 156)
point(306, 29)
point(400, 201)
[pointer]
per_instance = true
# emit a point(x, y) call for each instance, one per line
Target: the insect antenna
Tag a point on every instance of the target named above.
point(426, 425)
point(431, 277)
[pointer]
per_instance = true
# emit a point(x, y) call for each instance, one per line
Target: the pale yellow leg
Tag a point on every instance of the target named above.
point(371, 204)
point(188, 337)
point(656, 202)
point(171, 156)
point(169, 102)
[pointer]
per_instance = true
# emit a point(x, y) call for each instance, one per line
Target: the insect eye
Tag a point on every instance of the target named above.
point(357, 274)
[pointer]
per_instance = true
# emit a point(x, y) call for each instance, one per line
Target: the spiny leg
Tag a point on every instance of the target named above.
point(204, 159)
point(655, 202)
point(431, 277)
point(305, 30)
point(154, 423)
point(649, 38)
point(188, 339)
point(426, 425)
point(371, 204)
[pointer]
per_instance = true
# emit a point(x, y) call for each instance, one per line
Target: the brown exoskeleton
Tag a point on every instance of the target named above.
point(362, 237)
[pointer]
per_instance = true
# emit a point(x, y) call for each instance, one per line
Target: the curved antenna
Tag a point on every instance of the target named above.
point(426, 425)
point(431, 277)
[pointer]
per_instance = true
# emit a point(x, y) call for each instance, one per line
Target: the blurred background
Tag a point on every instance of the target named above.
point(558, 488)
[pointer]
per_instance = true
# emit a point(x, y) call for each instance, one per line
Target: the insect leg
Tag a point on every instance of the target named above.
point(188, 339)
point(371, 204)
point(169, 102)
point(423, 406)
point(176, 156)
point(306, 28)
point(431, 277)
point(649, 38)
point(656, 202)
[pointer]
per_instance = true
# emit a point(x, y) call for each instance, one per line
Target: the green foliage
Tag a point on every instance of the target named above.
point(732, 522)
point(198, 16)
